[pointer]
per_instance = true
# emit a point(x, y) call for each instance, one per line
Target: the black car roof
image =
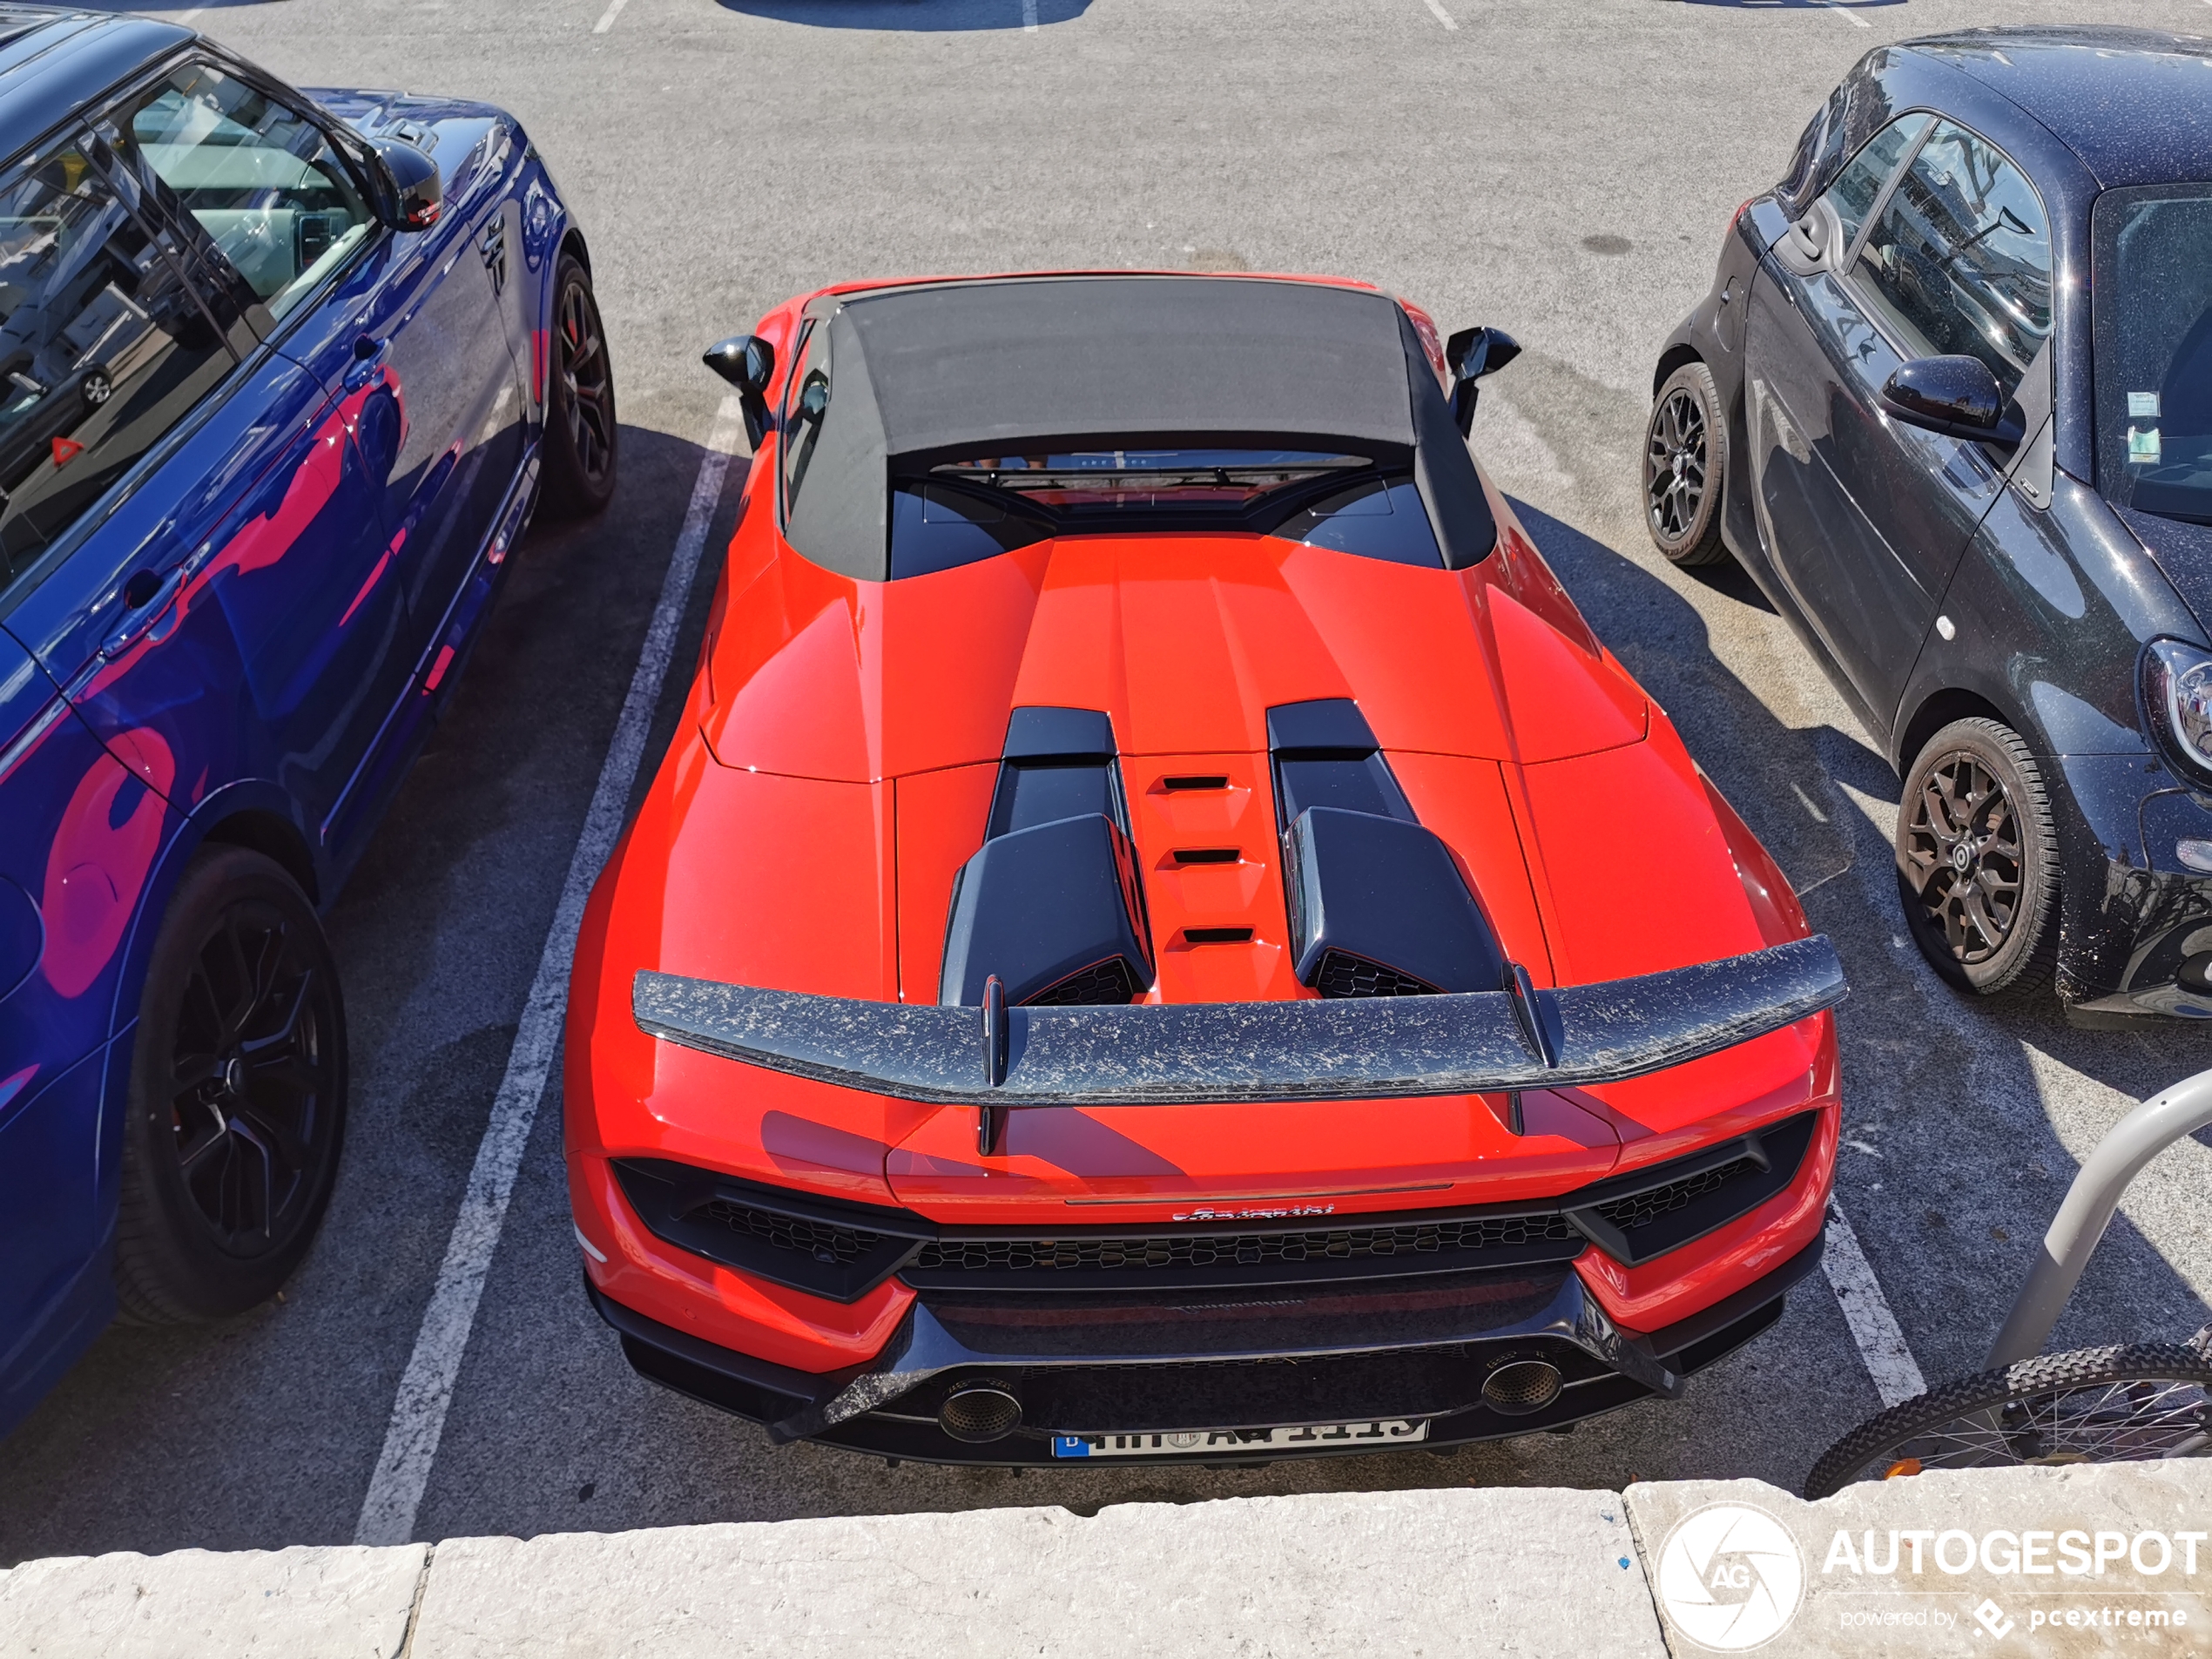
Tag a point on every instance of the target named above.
point(52, 62)
point(2134, 105)
point(926, 371)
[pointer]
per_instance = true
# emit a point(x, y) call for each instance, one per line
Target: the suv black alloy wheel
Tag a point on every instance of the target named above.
point(581, 437)
point(238, 1095)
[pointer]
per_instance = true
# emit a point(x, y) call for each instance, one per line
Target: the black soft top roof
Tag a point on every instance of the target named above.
point(929, 371)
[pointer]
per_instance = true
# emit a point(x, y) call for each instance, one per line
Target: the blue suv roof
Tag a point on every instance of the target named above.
point(53, 61)
point(2135, 105)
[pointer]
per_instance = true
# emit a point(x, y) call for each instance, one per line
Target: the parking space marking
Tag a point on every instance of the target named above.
point(426, 1388)
point(1030, 16)
point(1442, 15)
point(1845, 12)
point(607, 17)
point(1866, 1311)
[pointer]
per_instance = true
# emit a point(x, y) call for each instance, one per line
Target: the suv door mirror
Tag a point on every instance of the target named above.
point(413, 192)
point(1956, 396)
point(1470, 354)
point(748, 362)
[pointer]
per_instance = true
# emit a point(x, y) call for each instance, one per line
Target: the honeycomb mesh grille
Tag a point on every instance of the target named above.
point(817, 1240)
point(1629, 1214)
point(1241, 1249)
point(1109, 982)
point(1344, 974)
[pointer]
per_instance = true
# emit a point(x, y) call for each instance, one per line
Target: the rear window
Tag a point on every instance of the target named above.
point(962, 510)
point(2152, 291)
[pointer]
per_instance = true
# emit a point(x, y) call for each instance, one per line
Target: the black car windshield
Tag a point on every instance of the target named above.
point(2152, 290)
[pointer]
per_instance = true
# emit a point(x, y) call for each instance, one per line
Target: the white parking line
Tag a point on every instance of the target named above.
point(1843, 12)
point(607, 17)
point(426, 1388)
point(1442, 15)
point(1030, 16)
point(1873, 1327)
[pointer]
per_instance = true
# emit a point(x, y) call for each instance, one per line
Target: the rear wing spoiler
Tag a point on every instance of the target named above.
point(1164, 1055)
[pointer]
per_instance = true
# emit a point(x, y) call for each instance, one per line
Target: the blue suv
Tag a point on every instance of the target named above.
point(282, 379)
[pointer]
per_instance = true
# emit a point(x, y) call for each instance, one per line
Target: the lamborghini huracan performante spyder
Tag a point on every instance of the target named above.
point(1160, 933)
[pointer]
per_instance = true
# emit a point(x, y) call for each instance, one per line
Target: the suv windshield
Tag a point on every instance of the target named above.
point(2152, 287)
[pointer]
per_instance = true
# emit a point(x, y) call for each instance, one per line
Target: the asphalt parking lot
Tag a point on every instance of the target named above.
point(1562, 170)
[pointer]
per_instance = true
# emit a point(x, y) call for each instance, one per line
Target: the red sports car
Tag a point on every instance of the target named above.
point(1162, 933)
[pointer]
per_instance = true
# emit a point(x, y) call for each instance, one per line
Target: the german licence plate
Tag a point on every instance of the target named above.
point(1310, 1437)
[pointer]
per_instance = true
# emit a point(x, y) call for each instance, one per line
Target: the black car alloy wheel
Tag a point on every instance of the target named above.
point(1977, 857)
point(237, 1104)
point(1685, 453)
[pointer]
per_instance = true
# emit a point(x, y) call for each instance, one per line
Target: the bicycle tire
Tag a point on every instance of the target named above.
point(2056, 1408)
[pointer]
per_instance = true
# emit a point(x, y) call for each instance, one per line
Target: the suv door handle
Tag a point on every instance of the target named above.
point(368, 361)
point(139, 618)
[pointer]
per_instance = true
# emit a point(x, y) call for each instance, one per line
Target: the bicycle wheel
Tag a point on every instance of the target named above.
point(2128, 1403)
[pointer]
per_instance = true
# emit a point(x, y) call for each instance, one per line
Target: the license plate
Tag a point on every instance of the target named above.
point(1197, 1443)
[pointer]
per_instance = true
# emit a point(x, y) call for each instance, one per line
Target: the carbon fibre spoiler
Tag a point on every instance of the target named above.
point(1157, 1054)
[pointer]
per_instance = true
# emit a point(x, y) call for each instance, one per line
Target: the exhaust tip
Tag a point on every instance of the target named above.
point(975, 1412)
point(1521, 1386)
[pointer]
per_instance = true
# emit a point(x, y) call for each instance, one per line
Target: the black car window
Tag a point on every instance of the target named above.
point(104, 348)
point(1959, 258)
point(1859, 186)
point(277, 209)
point(2151, 284)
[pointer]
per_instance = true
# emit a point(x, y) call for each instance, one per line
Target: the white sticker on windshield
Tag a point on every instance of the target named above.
point(2142, 445)
point(2142, 406)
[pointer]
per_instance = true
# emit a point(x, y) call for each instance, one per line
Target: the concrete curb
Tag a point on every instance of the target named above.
point(2031, 1562)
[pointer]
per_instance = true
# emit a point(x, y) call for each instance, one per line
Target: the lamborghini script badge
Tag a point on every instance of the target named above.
point(1259, 1215)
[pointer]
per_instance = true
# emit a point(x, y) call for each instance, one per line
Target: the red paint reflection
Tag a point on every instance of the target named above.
point(96, 867)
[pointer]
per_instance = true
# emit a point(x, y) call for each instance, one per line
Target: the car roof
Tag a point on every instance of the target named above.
point(923, 372)
point(2134, 105)
point(52, 62)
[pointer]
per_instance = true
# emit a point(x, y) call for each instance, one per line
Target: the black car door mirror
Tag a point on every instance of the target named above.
point(413, 192)
point(748, 362)
point(1470, 354)
point(1956, 396)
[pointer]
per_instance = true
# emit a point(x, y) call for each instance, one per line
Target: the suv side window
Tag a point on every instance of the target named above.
point(104, 348)
point(1960, 260)
point(257, 185)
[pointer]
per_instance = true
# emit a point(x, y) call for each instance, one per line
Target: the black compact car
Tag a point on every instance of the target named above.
point(1950, 403)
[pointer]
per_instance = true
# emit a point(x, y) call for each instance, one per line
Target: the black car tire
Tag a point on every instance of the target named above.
point(1978, 860)
point(581, 436)
point(236, 1111)
point(1685, 464)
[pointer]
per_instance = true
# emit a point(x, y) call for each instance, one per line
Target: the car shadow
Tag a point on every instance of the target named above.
point(1953, 1164)
point(913, 17)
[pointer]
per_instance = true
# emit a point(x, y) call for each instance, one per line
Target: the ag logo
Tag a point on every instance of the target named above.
point(1730, 1577)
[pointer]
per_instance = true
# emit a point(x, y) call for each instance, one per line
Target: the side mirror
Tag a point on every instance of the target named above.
point(1470, 354)
point(748, 362)
point(414, 192)
point(1957, 396)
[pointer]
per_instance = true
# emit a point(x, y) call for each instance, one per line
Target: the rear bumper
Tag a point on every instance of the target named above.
point(1406, 1350)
